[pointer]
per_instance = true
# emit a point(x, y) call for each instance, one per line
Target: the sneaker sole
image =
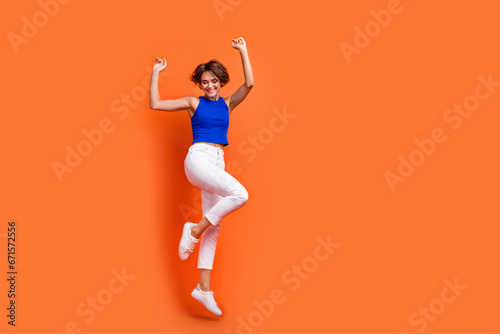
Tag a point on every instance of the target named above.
point(194, 294)
point(185, 230)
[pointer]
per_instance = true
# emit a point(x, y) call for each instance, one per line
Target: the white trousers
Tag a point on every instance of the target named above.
point(221, 194)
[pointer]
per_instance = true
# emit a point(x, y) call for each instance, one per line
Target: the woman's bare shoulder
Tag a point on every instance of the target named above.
point(193, 103)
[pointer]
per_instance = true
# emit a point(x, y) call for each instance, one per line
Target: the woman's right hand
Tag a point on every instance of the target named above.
point(159, 65)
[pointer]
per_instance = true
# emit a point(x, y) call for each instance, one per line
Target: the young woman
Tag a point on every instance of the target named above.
point(204, 163)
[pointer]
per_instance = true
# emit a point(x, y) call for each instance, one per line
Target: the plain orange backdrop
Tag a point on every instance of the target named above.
point(319, 174)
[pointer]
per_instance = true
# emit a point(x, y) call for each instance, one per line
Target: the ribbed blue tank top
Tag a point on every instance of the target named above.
point(210, 121)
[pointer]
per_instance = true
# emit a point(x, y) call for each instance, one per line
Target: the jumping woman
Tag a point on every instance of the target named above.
point(204, 164)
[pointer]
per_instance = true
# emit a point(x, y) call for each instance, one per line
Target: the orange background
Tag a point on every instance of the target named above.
point(322, 175)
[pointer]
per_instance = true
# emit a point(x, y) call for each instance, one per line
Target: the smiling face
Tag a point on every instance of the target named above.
point(210, 85)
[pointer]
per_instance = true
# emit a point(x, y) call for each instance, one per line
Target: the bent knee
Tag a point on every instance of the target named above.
point(240, 195)
point(244, 196)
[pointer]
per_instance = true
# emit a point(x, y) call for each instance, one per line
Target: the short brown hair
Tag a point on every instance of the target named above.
point(213, 66)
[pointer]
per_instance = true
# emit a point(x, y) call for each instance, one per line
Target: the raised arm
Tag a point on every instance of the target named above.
point(243, 90)
point(183, 103)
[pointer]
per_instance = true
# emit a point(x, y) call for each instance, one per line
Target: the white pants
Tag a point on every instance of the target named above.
point(221, 194)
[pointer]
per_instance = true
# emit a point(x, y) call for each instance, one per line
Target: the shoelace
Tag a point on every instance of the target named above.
point(190, 246)
point(212, 299)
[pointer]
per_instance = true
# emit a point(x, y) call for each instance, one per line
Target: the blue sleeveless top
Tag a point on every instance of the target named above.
point(210, 121)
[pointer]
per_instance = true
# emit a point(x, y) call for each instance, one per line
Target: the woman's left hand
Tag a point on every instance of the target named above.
point(239, 44)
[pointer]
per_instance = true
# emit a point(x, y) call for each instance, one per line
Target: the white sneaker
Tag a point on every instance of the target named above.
point(207, 299)
point(187, 243)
